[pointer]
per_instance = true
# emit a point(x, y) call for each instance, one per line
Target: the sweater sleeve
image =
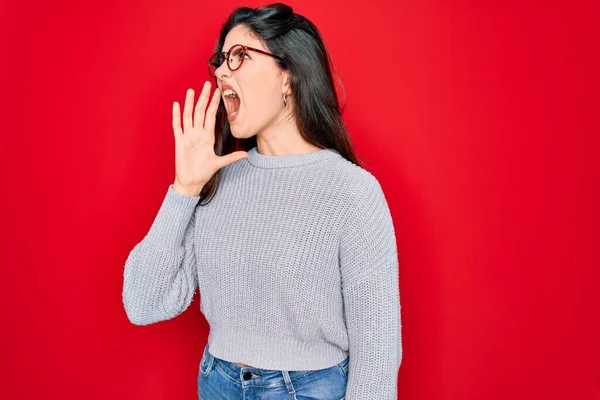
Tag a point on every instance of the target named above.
point(160, 276)
point(369, 268)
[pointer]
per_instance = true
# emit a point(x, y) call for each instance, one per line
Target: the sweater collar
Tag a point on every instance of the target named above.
point(289, 160)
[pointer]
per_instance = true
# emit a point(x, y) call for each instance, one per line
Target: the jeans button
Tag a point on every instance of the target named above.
point(247, 376)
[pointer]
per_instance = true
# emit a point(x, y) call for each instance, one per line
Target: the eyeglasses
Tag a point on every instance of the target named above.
point(235, 58)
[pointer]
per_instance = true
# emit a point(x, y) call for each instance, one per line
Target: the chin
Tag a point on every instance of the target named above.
point(239, 135)
point(235, 134)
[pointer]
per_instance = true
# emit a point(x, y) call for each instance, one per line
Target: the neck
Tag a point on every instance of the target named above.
point(283, 137)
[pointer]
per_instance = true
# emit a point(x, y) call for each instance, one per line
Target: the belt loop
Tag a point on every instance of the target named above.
point(288, 383)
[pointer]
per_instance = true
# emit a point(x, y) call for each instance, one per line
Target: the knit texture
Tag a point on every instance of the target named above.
point(296, 263)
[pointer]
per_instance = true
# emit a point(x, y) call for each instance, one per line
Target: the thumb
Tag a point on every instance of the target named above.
point(232, 157)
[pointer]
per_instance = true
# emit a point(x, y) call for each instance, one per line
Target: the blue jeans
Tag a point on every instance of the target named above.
point(219, 379)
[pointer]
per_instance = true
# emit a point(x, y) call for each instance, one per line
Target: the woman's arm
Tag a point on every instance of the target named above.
point(369, 267)
point(160, 276)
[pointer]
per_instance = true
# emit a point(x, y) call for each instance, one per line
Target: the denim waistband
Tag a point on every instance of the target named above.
point(257, 376)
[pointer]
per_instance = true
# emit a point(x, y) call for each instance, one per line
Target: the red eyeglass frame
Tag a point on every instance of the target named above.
point(227, 54)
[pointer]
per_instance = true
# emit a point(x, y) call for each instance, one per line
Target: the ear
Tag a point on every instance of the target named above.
point(286, 87)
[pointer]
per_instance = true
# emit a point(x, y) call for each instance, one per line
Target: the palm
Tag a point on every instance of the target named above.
point(195, 158)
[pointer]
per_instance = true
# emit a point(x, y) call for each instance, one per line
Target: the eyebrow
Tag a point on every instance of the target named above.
point(247, 45)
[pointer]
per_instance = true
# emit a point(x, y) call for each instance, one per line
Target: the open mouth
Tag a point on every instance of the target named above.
point(232, 103)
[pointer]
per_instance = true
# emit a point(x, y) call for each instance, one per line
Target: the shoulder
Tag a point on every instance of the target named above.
point(367, 225)
point(360, 185)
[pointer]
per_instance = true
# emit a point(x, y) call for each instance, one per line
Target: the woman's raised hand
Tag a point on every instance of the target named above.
point(195, 158)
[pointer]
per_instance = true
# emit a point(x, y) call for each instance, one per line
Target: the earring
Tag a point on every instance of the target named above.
point(285, 100)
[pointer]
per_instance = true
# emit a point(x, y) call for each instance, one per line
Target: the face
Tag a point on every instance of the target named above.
point(259, 84)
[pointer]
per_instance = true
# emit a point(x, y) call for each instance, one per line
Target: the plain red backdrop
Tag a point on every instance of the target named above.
point(480, 120)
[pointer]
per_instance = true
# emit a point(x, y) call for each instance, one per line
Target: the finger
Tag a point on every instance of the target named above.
point(187, 110)
point(211, 113)
point(176, 120)
point(201, 105)
point(232, 157)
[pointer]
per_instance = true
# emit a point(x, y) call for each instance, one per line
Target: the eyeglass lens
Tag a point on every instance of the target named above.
point(236, 57)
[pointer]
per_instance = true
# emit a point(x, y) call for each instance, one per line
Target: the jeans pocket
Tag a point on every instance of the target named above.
point(206, 363)
point(344, 365)
point(327, 383)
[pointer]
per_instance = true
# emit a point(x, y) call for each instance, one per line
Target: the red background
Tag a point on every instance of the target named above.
point(479, 118)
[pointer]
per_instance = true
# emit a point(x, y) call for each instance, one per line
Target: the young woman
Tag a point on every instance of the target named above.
point(294, 251)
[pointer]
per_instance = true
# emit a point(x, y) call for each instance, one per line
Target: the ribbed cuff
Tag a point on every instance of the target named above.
point(172, 219)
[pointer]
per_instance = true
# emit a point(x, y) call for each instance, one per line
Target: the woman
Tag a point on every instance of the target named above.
point(294, 254)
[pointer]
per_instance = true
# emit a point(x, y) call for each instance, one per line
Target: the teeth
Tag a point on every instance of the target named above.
point(229, 92)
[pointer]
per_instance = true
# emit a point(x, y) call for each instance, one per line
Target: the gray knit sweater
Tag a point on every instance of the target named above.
point(296, 262)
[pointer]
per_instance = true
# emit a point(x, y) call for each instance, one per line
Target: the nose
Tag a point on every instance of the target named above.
point(223, 71)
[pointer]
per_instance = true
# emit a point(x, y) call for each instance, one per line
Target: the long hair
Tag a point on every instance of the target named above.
point(317, 110)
